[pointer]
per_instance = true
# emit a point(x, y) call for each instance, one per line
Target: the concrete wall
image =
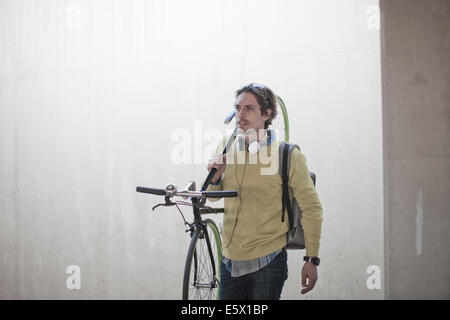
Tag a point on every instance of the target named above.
point(92, 92)
point(416, 144)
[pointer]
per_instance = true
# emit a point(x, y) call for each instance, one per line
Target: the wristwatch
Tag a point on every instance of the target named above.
point(314, 260)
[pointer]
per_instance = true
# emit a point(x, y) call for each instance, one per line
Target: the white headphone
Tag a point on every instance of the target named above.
point(254, 146)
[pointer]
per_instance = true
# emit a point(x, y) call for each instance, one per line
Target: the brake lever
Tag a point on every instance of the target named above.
point(166, 204)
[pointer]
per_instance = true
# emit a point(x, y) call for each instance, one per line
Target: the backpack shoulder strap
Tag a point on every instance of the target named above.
point(290, 146)
point(284, 166)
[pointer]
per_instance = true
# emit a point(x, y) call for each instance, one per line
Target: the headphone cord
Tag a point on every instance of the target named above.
point(240, 198)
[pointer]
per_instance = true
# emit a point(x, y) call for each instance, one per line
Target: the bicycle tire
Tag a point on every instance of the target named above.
point(198, 270)
point(281, 123)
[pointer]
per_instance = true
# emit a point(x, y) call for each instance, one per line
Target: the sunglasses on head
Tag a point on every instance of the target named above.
point(257, 86)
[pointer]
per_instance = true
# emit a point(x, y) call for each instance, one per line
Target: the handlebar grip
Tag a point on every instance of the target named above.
point(209, 178)
point(220, 194)
point(159, 192)
point(224, 151)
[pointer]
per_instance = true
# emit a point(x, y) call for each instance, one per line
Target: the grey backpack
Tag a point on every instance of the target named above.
point(295, 237)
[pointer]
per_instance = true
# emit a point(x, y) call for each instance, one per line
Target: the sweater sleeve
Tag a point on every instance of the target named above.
point(218, 185)
point(308, 200)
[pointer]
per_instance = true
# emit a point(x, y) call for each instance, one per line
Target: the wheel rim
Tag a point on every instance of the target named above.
point(203, 285)
point(281, 123)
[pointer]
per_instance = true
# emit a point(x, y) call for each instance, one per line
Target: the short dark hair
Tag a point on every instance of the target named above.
point(265, 97)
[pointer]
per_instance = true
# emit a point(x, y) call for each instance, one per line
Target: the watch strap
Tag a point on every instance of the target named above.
point(314, 260)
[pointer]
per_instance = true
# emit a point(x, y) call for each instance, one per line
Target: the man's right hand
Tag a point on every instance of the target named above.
point(219, 162)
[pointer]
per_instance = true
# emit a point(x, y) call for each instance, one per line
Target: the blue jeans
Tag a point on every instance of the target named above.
point(264, 284)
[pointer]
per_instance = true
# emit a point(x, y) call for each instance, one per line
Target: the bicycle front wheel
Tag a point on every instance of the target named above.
point(202, 268)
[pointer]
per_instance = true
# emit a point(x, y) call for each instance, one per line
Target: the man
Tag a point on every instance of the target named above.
point(254, 264)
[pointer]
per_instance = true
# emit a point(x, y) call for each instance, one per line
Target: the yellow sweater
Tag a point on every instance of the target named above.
point(252, 224)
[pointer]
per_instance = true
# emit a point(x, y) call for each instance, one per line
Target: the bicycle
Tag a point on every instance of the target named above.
point(201, 277)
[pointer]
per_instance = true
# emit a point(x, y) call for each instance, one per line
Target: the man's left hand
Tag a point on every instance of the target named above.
point(309, 272)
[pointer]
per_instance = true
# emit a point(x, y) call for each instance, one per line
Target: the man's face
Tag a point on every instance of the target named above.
point(248, 112)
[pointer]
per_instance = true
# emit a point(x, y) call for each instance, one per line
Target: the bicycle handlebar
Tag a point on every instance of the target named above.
point(171, 193)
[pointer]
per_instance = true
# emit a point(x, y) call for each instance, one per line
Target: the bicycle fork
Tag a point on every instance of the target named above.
point(201, 226)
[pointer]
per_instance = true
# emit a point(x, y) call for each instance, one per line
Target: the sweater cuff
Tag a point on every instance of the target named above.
point(312, 251)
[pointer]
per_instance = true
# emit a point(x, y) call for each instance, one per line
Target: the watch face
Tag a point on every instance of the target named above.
point(315, 261)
